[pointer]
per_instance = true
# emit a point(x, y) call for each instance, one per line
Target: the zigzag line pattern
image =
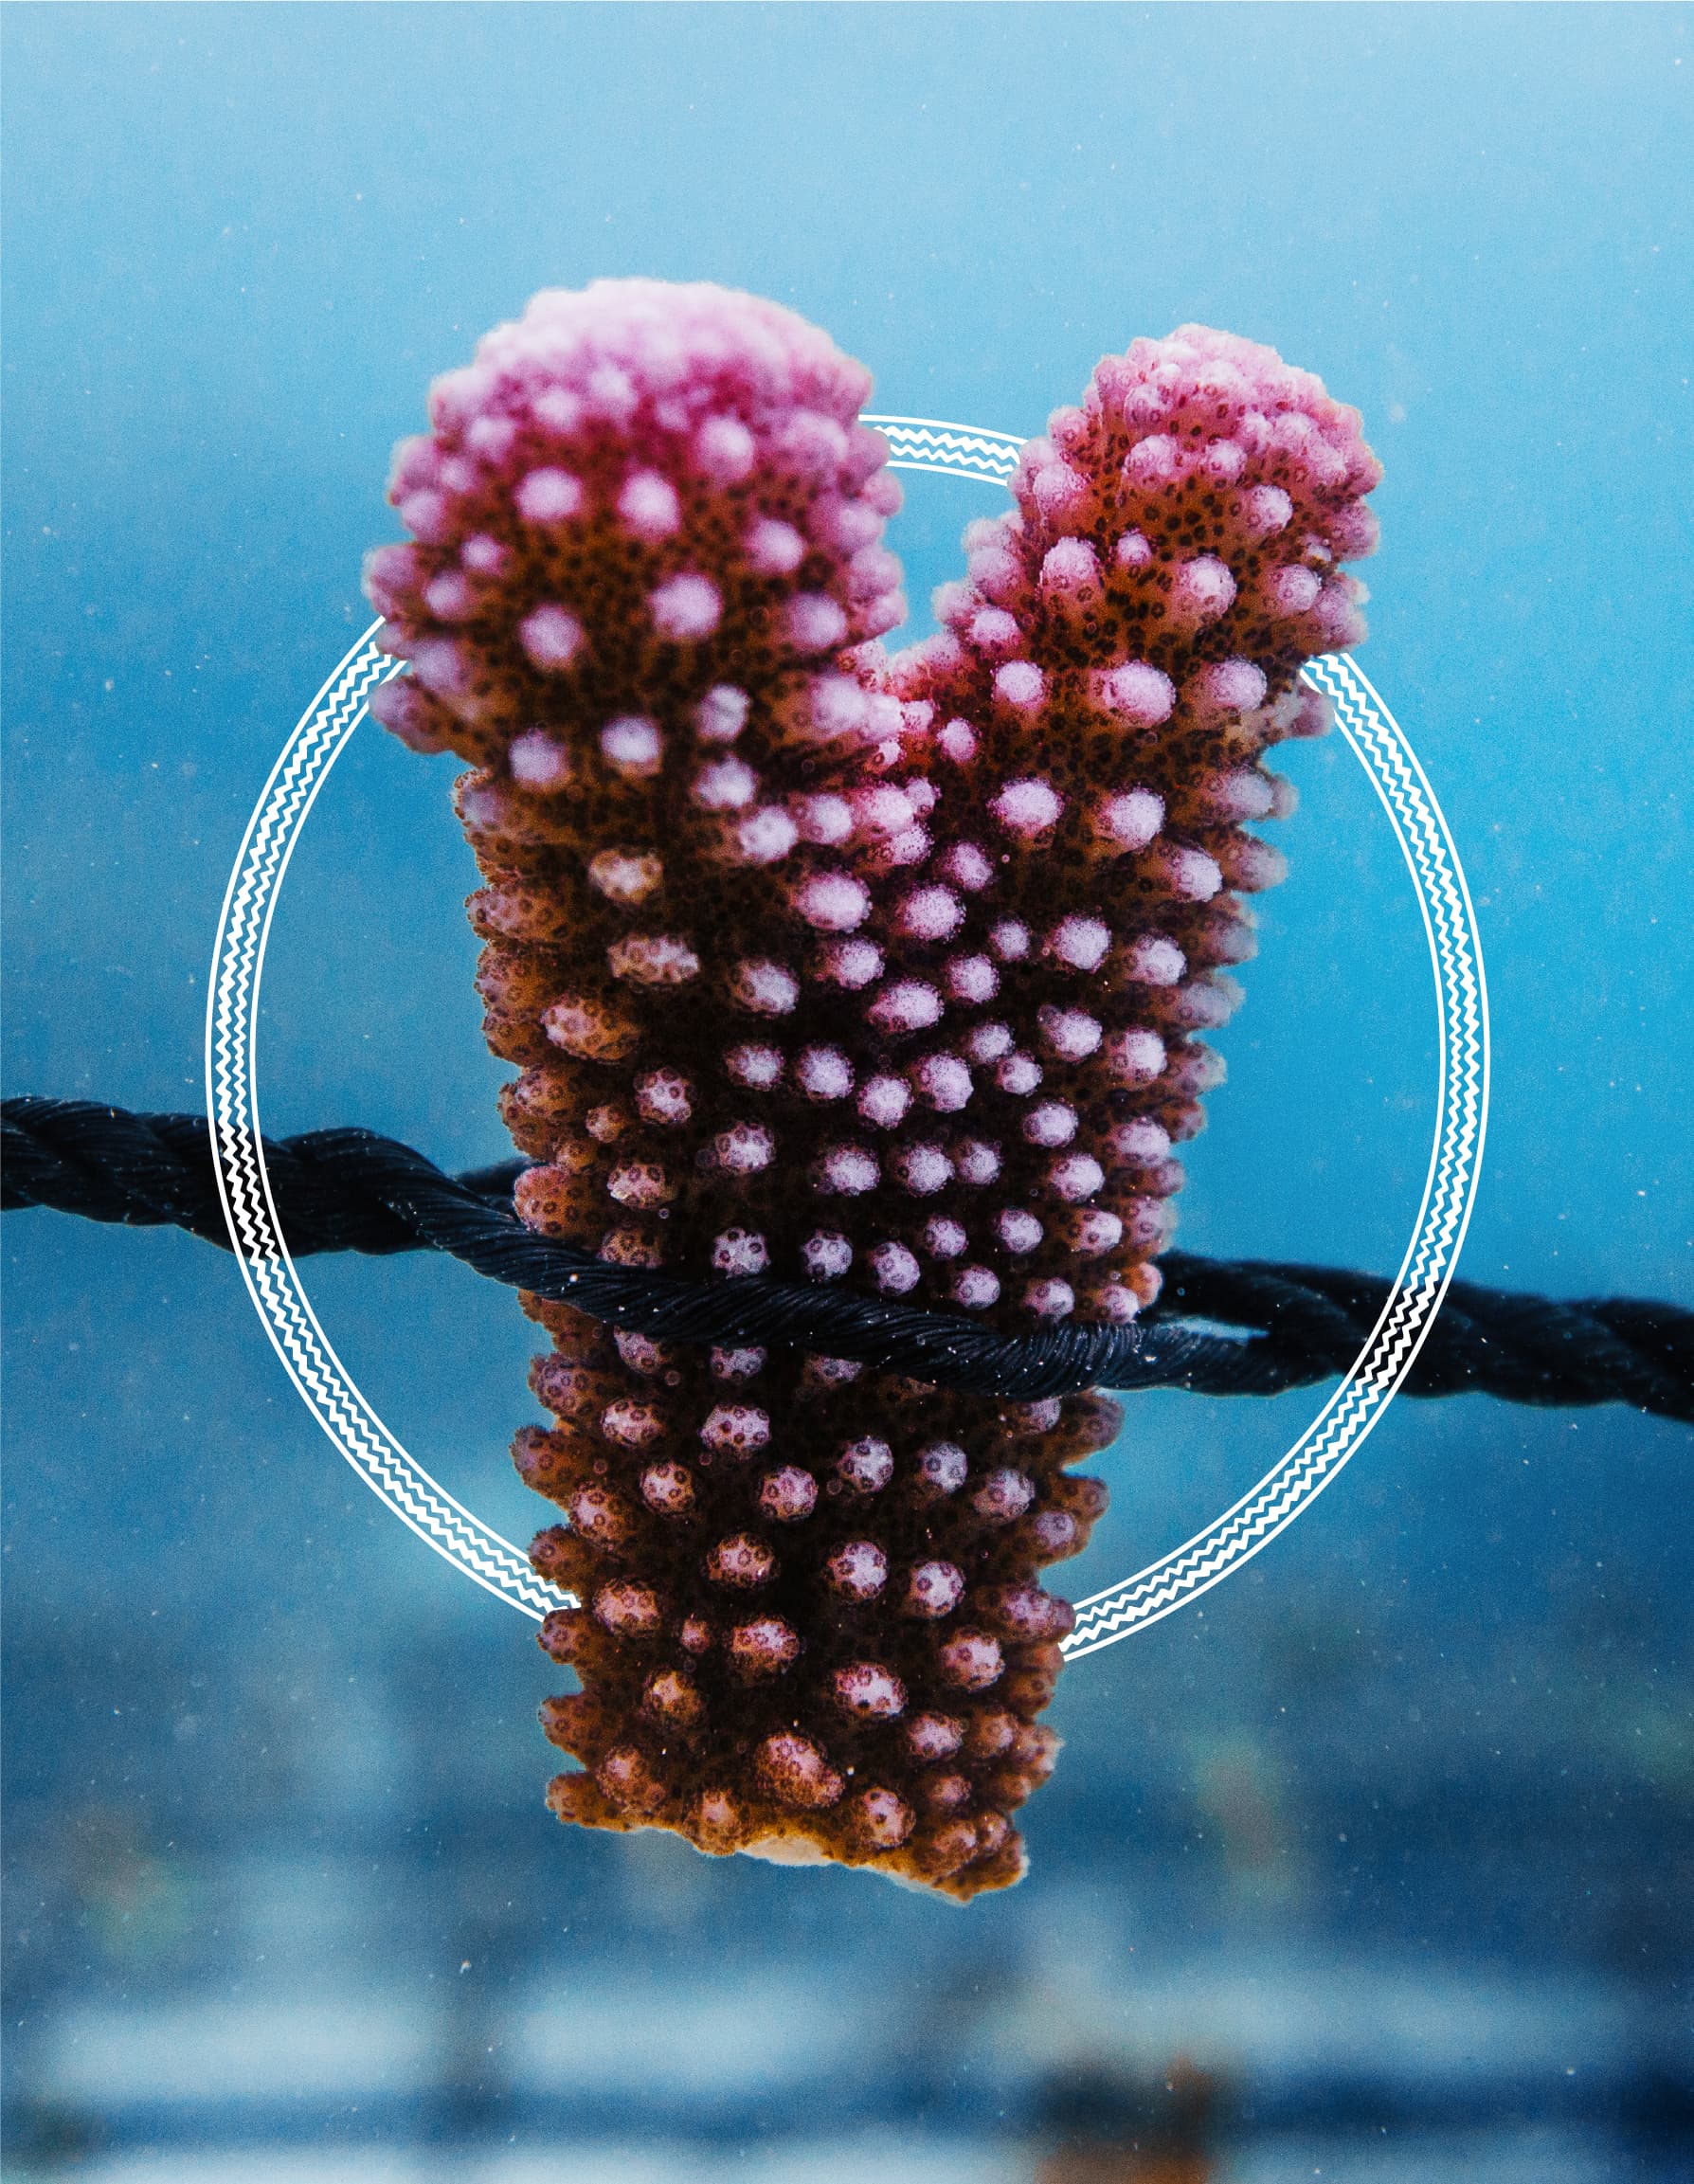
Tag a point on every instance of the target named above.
point(1291, 1486)
point(1430, 1258)
point(385, 1466)
point(943, 450)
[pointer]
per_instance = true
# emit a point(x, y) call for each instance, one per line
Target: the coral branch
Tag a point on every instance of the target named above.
point(1091, 725)
point(818, 962)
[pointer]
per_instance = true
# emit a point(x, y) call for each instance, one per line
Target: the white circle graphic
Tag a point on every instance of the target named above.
point(1291, 1485)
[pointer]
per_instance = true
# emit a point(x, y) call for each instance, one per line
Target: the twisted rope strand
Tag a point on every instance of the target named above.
point(353, 1190)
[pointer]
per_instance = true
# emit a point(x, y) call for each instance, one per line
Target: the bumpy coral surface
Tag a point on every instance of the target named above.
point(1093, 720)
point(848, 969)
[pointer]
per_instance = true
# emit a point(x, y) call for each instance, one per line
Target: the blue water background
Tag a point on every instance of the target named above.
point(1440, 1739)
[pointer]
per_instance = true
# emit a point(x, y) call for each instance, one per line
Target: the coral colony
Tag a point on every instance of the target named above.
point(884, 971)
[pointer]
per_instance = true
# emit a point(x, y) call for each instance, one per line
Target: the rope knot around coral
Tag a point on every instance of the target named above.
point(352, 1190)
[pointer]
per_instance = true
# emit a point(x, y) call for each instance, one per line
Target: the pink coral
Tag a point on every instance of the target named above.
point(840, 967)
point(1093, 722)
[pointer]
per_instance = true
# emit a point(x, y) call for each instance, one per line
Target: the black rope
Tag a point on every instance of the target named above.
point(352, 1190)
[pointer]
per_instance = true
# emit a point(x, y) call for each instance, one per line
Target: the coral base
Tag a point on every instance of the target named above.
point(713, 1502)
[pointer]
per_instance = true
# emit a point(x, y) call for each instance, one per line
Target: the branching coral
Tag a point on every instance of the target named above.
point(848, 968)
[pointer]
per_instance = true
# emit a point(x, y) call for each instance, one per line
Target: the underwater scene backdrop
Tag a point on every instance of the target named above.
point(1374, 1863)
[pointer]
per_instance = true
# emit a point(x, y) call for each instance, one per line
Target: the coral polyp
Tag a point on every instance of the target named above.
point(886, 972)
